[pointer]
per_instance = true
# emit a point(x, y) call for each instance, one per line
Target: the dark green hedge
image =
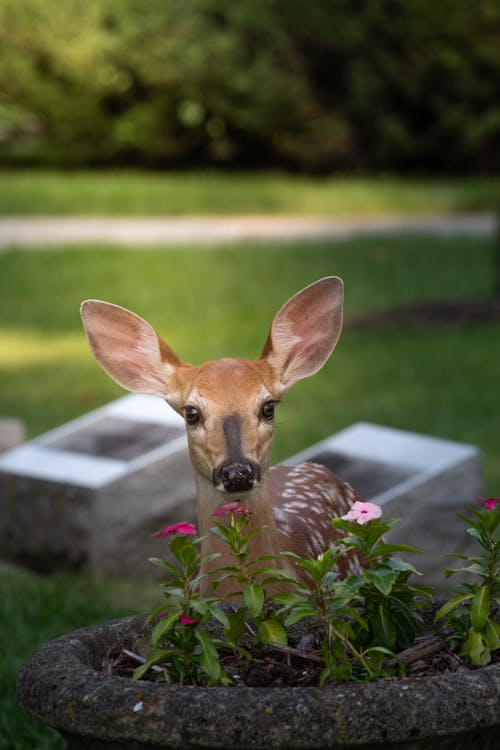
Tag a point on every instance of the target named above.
point(312, 84)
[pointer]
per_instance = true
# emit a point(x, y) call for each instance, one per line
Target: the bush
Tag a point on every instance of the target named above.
point(394, 84)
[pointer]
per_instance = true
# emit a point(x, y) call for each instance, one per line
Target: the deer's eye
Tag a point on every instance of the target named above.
point(192, 415)
point(267, 411)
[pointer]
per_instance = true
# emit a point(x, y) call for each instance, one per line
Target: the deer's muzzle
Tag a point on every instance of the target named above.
point(236, 477)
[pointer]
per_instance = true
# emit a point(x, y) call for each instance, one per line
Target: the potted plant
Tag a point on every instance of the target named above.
point(360, 676)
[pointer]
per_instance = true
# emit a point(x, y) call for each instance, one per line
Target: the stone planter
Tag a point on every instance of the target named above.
point(61, 684)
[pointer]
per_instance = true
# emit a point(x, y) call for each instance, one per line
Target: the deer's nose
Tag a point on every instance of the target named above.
point(236, 477)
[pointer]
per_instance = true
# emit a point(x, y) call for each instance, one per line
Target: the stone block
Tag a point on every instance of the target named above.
point(423, 481)
point(89, 494)
point(12, 433)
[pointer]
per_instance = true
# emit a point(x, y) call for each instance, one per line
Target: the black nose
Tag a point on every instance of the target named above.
point(235, 477)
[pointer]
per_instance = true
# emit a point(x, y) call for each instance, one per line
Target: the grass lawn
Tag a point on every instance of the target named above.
point(141, 194)
point(36, 609)
point(219, 302)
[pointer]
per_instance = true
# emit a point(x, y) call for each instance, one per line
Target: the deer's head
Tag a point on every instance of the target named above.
point(228, 404)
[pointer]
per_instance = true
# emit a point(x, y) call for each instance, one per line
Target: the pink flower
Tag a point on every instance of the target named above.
point(176, 528)
point(234, 507)
point(185, 620)
point(489, 503)
point(363, 512)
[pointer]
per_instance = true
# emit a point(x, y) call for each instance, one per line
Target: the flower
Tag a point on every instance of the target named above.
point(234, 507)
point(489, 503)
point(185, 620)
point(177, 528)
point(363, 512)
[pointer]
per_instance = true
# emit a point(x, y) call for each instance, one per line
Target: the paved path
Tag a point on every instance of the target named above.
point(31, 232)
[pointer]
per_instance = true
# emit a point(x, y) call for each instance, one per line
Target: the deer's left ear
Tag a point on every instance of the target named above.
point(305, 331)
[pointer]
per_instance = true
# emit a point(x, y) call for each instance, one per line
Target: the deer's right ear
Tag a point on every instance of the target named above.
point(129, 349)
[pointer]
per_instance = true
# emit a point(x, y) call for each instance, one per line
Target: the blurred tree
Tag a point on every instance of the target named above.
point(312, 84)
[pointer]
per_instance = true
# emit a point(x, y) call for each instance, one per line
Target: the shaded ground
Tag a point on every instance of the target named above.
point(448, 314)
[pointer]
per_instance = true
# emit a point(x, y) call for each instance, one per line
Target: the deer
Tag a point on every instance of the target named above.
point(228, 406)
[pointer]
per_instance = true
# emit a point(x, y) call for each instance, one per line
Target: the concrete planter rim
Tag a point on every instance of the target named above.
point(62, 685)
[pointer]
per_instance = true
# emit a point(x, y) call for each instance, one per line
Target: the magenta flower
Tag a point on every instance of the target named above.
point(489, 503)
point(175, 529)
point(185, 620)
point(363, 512)
point(234, 507)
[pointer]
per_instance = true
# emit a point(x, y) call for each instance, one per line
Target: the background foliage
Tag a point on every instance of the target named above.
point(383, 84)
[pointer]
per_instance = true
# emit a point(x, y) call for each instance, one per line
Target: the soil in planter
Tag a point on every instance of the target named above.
point(299, 664)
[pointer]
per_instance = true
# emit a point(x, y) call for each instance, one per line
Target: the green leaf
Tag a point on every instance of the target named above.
point(253, 596)
point(219, 615)
point(188, 555)
point(209, 660)
point(379, 650)
point(451, 605)
point(480, 608)
point(279, 574)
point(164, 626)
point(383, 627)
point(211, 558)
point(272, 631)
point(383, 579)
point(236, 626)
point(476, 568)
point(476, 534)
point(407, 623)
point(389, 549)
point(492, 635)
point(401, 566)
point(164, 564)
point(352, 612)
point(477, 649)
point(172, 592)
point(349, 526)
point(155, 658)
point(177, 543)
point(289, 598)
point(298, 614)
point(200, 605)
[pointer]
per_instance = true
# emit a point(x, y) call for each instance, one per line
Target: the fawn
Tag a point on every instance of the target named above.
point(228, 406)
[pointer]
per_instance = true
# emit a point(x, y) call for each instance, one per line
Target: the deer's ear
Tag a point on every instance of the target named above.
point(305, 331)
point(129, 349)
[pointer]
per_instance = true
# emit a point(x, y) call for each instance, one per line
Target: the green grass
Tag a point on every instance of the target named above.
point(219, 302)
point(35, 609)
point(138, 193)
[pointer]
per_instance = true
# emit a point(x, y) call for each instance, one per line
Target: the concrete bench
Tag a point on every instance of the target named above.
point(90, 493)
point(424, 481)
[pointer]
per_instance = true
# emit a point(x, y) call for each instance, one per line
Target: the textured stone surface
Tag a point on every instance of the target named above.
point(92, 492)
point(12, 433)
point(61, 685)
point(421, 480)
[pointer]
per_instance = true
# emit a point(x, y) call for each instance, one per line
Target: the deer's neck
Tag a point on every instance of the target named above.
point(266, 542)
